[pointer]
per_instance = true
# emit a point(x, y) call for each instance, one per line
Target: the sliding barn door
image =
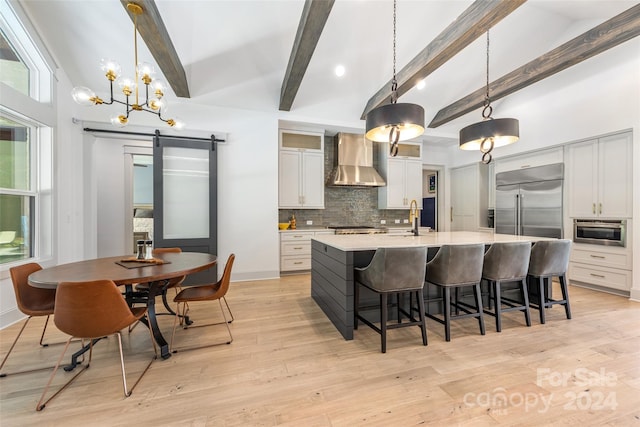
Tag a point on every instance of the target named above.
point(185, 198)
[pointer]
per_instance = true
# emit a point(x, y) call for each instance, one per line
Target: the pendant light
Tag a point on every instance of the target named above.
point(490, 132)
point(394, 122)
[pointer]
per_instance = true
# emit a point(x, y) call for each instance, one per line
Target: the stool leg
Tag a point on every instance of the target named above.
point(423, 322)
point(565, 295)
point(383, 321)
point(457, 298)
point(356, 302)
point(525, 299)
point(447, 312)
point(478, 295)
point(542, 300)
point(399, 299)
point(498, 304)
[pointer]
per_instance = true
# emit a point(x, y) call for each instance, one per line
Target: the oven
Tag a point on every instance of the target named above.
point(600, 232)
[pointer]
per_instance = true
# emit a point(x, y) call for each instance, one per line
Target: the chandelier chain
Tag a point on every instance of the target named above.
point(487, 95)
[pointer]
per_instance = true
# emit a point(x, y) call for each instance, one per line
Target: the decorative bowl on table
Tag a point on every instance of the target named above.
point(283, 225)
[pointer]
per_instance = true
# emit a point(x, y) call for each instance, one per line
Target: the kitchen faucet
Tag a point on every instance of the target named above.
point(413, 216)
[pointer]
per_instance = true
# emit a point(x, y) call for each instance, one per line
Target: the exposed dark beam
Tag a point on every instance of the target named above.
point(314, 16)
point(471, 24)
point(613, 32)
point(156, 37)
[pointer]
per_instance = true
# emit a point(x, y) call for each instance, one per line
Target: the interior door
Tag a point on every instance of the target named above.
point(185, 198)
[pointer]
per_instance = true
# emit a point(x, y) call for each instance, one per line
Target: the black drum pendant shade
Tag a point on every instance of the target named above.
point(407, 118)
point(503, 132)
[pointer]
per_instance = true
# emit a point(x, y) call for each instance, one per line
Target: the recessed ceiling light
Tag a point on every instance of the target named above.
point(421, 84)
point(340, 70)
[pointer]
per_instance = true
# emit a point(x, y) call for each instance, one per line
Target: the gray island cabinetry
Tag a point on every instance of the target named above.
point(333, 258)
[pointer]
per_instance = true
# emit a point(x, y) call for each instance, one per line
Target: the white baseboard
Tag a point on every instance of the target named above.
point(635, 295)
point(10, 317)
point(255, 275)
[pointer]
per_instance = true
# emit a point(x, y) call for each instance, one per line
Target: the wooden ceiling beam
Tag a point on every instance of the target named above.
point(611, 33)
point(155, 35)
point(314, 16)
point(471, 24)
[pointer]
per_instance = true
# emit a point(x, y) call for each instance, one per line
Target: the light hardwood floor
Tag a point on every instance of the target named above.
point(289, 366)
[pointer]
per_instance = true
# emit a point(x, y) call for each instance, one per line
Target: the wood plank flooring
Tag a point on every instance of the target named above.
point(288, 366)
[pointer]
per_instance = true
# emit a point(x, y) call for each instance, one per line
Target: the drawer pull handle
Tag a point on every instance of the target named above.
point(297, 236)
point(597, 275)
point(300, 247)
point(597, 256)
point(299, 262)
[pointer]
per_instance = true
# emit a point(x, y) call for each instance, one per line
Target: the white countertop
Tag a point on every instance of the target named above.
point(362, 242)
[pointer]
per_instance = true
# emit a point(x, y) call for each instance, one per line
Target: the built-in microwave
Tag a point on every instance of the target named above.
point(600, 232)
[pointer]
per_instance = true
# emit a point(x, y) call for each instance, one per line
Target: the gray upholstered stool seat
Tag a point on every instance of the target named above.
point(549, 258)
point(392, 271)
point(457, 266)
point(507, 262)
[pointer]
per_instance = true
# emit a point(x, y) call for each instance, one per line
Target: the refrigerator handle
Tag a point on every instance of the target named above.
point(521, 221)
point(516, 212)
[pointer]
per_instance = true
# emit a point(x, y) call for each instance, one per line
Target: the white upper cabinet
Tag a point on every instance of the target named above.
point(599, 177)
point(301, 170)
point(403, 175)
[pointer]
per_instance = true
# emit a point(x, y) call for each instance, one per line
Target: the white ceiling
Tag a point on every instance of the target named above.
point(235, 53)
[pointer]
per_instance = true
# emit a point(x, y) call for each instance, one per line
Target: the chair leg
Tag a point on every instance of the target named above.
point(356, 302)
point(525, 298)
point(128, 392)
point(42, 403)
point(24, 325)
point(184, 305)
point(447, 312)
point(478, 295)
point(542, 299)
point(565, 294)
point(383, 321)
point(498, 305)
point(228, 309)
point(423, 321)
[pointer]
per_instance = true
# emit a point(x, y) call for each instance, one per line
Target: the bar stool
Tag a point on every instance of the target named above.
point(457, 266)
point(507, 262)
point(392, 271)
point(550, 258)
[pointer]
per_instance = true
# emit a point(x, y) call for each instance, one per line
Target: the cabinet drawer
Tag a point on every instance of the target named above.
point(619, 260)
point(601, 276)
point(288, 263)
point(297, 236)
point(295, 248)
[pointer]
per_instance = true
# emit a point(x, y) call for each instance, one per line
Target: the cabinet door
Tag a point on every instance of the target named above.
point(614, 176)
point(289, 179)
point(464, 188)
point(313, 180)
point(583, 179)
point(395, 184)
point(413, 181)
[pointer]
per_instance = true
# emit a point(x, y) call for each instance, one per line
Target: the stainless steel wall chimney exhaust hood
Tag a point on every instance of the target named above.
point(355, 162)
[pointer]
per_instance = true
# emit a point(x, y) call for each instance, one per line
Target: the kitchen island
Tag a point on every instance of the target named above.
point(333, 258)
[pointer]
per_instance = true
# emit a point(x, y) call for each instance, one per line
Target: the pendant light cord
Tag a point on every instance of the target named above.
point(394, 82)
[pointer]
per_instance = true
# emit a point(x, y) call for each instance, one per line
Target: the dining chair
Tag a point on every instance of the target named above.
point(31, 301)
point(201, 293)
point(90, 310)
point(392, 271)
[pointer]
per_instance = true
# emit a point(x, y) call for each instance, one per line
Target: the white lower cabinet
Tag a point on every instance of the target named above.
point(295, 250)
point(604, 267)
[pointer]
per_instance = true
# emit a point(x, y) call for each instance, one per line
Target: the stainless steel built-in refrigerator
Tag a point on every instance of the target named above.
point(529, 201)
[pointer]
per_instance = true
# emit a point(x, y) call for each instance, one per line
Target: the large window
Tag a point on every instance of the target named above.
point(18, 191)
point(26, 197)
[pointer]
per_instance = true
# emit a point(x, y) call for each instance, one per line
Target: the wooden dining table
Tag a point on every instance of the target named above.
point(127, 273)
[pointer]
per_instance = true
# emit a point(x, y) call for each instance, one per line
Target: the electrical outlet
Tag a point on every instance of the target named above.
point(406, 221)
point(383, 221)
point(397, 221)
point(309, 222)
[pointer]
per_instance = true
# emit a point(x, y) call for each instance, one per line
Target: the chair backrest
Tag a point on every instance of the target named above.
point(505, 261)
point(550, 258)
point(91, 309)
point(224, 281)
point(157, 251)
point(456, 265)
point(395, 269)
point(31, 301)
